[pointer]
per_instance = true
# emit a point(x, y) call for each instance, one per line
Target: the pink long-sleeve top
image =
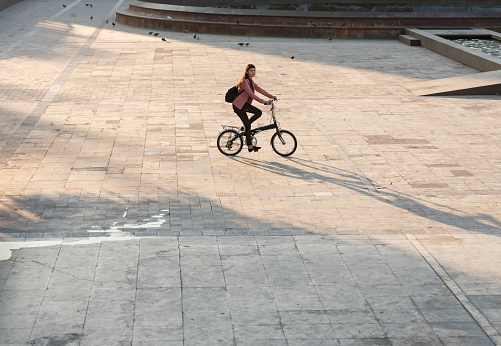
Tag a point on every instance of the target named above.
point(248, 95)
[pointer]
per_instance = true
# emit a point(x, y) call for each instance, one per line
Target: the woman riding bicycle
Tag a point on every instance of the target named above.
point(243, 103)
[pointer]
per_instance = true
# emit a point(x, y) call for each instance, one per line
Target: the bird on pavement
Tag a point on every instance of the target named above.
point(247, 44)
point(163, 39)
point(292, 57)
point(156, 34)
point(64, 5)
point(91, 17)
point(151, 32)
point(241, 44)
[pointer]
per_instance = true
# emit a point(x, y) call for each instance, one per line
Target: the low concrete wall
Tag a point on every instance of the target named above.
point(256, 29)
point(431, 39)
point(485, 83)
point(294, 23)
point(405, 19)
point(342, 3)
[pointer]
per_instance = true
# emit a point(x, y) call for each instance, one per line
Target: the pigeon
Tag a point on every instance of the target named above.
point(198, 37)
point(156, 34)
point(113, 23)
point(91, 17)
point(90, 5)
point(86, 4)
point(106, 21)
point(64, 5)
point(151, 32)
point(329, 24)
point(186, 31)
point(163, 39)
point(195, 36)
point(330, 38)
point(292, 57)
point(247, 44)
point(241, 44)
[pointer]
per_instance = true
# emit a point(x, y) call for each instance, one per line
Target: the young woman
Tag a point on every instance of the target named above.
point(243, 103)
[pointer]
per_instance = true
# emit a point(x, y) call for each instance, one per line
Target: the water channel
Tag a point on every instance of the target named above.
point(488, 46)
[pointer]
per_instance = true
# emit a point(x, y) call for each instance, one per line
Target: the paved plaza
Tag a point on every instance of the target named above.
point(122, 223)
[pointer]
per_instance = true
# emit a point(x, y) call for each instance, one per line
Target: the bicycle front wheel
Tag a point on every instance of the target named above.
point(284, 143)
point(229, 143)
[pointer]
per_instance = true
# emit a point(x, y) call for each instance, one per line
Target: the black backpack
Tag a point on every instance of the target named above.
point(232, 94)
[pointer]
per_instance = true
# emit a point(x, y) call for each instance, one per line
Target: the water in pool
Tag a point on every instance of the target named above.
point(488, 46)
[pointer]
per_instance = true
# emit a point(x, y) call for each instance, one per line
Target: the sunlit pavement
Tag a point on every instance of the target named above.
point(123, 224)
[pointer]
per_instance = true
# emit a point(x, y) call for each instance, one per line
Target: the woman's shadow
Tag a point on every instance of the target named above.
point(305, 170)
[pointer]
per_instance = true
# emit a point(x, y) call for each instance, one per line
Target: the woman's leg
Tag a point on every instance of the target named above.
point(251, 109)
point(247, 124)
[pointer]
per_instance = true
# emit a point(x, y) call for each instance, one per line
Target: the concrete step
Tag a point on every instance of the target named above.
point(409, 40)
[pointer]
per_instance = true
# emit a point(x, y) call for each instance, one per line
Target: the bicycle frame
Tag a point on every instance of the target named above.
point(274, 125)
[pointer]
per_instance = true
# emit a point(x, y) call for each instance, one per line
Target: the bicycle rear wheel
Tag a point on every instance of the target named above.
point(284, 143)
point(229, 143)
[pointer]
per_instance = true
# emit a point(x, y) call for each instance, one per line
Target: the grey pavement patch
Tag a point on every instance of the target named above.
point(65, 339)
point(446, 315)
point(467, 340)
point(220, 290)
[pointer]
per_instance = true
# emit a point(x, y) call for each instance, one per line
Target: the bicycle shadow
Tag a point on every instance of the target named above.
point(315, 171)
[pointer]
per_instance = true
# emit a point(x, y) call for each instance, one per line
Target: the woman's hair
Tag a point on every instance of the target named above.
point(246, 74)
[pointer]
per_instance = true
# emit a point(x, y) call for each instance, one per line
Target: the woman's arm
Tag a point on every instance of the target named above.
point(264, 92)
point(246, 86)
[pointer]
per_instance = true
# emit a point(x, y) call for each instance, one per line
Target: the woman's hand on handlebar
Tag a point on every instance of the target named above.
point(269, 102)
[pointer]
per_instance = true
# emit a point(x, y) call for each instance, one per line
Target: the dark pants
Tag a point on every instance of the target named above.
point(242, 113)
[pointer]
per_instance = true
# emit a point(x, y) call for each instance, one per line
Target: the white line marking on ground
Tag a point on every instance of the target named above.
point(456, 290)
